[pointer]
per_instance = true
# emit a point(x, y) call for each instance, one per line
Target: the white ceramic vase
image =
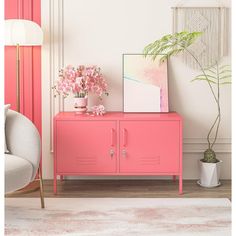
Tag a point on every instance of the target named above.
point(209, 174)
point(80, 105)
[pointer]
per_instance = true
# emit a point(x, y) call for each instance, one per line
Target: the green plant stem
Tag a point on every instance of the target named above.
point(209, 133)
point(217, 131)
point(218, 104)
point(210, 146)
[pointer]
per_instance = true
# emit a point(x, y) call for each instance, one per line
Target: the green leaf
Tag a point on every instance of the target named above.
point(163, 59)
point(207, 75)
point(204, 78)
point(171, 44)
point(210, 70)
point(228, 82)
point(224, 71)
point(215, 75)
point(225, 77)
point(154, 57)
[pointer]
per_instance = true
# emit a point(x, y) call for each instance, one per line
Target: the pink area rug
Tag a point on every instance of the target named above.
point(118, 217)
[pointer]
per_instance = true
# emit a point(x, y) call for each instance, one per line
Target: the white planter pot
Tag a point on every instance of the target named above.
point(80, 105)
point(209, 174)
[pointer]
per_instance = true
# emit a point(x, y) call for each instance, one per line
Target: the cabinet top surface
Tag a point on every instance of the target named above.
point(118, 116)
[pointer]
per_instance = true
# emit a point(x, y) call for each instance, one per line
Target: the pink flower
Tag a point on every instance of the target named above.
point(80, 81)
point(98, 110)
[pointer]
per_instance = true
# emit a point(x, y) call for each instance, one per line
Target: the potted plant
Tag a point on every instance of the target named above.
point(214, 76)
point(79, 82)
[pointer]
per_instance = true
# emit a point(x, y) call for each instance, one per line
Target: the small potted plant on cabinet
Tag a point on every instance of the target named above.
point(79, 82)
point(214, 76)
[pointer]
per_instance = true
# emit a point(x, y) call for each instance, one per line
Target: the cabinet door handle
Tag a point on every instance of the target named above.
point(124, 137)
point(112, 153)
point(112, 137)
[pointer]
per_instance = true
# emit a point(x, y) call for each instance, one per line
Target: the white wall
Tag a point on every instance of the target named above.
point(99, 32)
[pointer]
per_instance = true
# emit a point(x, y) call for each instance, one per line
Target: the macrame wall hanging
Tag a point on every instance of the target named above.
point(213, 22)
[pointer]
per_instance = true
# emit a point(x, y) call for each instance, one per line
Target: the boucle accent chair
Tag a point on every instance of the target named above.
point(23, 160)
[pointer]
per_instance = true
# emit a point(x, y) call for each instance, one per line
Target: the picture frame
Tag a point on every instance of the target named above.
point(145, 84)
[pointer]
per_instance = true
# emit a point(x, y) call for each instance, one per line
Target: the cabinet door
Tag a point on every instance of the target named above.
point(149, 146)
point(86, 146)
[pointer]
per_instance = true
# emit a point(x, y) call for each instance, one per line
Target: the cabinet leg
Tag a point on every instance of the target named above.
point(180, 185)
point(55, 184)
point(174, 178)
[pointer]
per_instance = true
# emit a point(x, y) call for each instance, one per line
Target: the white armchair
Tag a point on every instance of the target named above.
point(22, 161)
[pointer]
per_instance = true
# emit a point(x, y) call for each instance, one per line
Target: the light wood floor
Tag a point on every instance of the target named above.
point(130, 189)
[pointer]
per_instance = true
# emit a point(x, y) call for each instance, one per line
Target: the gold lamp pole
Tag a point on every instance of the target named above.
point(18, 77)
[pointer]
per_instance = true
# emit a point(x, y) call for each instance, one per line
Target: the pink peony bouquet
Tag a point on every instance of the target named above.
point(80, 81)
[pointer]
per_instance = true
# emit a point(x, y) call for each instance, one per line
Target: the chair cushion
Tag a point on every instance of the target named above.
point(18, 173)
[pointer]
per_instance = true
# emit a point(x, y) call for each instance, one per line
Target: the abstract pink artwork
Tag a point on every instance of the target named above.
point(145, 84)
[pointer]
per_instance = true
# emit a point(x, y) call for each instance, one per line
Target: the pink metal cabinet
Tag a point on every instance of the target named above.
point(149, 147)
point(118, 144)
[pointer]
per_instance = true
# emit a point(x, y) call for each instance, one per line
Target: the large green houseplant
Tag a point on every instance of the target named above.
point(214, 76)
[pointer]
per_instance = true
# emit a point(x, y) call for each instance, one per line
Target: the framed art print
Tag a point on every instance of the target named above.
point(145, 84)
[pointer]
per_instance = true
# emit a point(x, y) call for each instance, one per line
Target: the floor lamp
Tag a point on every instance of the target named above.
point(19, 32)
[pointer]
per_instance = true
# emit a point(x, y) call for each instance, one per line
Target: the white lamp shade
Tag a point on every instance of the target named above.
point(23, 32)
